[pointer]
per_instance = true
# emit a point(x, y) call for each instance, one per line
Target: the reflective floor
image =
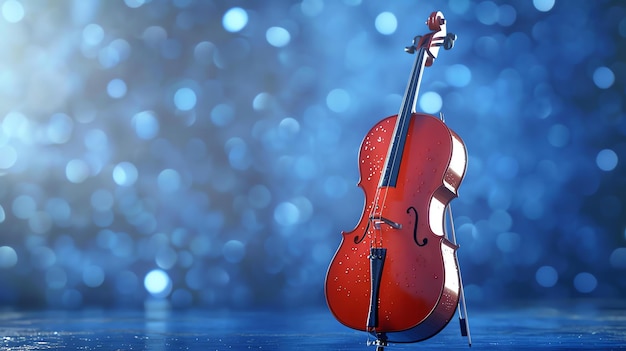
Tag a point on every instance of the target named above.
point(575, 326)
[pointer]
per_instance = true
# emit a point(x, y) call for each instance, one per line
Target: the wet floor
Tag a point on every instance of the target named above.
point(583, 327)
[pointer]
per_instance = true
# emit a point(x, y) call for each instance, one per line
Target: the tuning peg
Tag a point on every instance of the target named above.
point(448, 42)
point(416, 41)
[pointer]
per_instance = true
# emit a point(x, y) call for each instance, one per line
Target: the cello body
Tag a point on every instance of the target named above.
point(396, 275)
point(419, 285)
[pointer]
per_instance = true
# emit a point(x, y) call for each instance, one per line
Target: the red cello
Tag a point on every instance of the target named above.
point(396, 275)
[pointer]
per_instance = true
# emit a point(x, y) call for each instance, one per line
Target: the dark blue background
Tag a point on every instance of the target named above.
point(205, 152)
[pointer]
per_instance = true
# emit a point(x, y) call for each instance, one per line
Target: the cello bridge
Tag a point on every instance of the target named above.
point(378, 221)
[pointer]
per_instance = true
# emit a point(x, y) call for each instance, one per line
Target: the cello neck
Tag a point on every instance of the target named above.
point(427, 48)
point(409, 102)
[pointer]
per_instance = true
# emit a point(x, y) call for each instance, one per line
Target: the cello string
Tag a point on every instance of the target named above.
point(403, 120)
point(392, 155)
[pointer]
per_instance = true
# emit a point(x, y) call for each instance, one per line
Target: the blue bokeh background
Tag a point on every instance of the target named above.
point(204, 153)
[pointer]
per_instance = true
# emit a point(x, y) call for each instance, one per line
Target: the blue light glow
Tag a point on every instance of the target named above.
point(458, 75)
point(286, 214)
point(77, 171)
point(607, 160)
point(234, 251)
point(116, 88)
point(185, 99)
point(235, 19)
point(169, 181)
point(93, 34)
point(166, 258)
point(93, 276)
point(618, 258)
point(312, 8)
point(430, 102)
point(386, 23)
point(134, 3)
point(487, 12)
point(175, 149)
point(547, 276)
point(543, 5)
point(60, 128)
point(338, 100)
point(603, 77)
point(8, 257)
point(277, 36)
point(146, 125)
point(24, 206)
point(508, 242)
point(238, 153)
point(13, 11)
point(125, 174)
point(262, 101)
point(158, 283)
point(8, 156)
point(507, 15)
point(585, 282)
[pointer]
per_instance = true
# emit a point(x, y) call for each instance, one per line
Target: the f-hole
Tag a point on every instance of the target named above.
point(408, 210)
point(358, 239)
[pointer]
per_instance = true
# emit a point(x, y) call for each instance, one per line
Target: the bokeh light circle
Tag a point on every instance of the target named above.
point(125, 174)
point(235, 19)
point(618, 258)
point(116, 88)
point(277, 36)
point(93, 276)
point(458, 75)
point(146, 125)
point(286, 214)
point(430, 102)
point(585, 282)
point(93, 34)
point(487, 12)
point(158, 283)
point(134, 3)
point(234, 251)
point(607, 160)
point(8, 156)
point(77, 171)
point(338, 100)
point(13, 11)
point(386, 23)
point(603, 77)
point(547, 276)
point(543, 5)
point(8, 257)
point(185, 99)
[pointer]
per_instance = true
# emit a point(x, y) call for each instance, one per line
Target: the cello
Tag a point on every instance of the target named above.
point(396, 274)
